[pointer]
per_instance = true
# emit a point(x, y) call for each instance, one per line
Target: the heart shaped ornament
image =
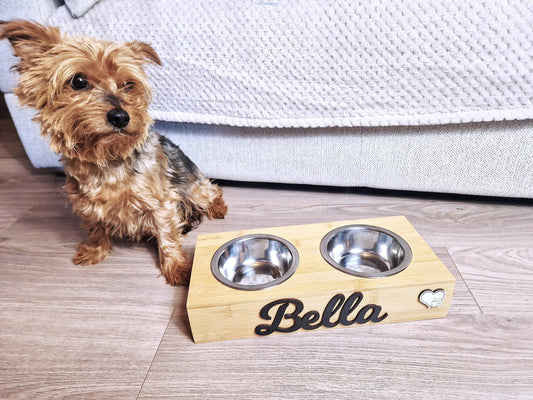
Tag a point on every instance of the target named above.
point(432, 298)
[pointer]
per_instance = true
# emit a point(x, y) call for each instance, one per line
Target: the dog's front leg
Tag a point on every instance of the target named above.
point(172, 260)
point(95, 248)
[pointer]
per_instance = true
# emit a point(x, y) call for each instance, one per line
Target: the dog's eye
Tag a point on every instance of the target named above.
point(79, 82)
point(128, 85)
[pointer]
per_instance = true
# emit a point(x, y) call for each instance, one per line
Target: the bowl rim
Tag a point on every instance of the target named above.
point(215, 270)
point(408, 253)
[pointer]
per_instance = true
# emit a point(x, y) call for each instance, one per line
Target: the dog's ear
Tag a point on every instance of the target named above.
point(28, 38)
point(144, 51)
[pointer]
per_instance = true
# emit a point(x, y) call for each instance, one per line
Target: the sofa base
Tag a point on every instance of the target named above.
point(488, 159)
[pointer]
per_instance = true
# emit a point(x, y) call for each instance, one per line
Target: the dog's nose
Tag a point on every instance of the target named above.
point(118, 118)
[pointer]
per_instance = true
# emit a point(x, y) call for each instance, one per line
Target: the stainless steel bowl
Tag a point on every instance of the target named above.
point(254, 262)
point(366, 251)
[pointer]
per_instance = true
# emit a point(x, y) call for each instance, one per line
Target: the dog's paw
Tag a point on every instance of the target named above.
point(179, 277)
point(176, 270)
point(217, 209)
point(88, 255)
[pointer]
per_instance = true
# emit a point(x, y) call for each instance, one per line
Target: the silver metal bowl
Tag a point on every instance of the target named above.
point(254, 262)
point(366, 251)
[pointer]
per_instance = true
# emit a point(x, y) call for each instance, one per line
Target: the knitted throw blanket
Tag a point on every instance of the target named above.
point(318, 63)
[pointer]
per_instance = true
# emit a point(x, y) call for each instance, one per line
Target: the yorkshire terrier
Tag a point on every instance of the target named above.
point(122, 178)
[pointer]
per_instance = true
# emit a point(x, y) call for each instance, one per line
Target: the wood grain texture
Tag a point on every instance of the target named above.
point(500, 278)
point(117, 331)
point(462, 356)
point(66, 331)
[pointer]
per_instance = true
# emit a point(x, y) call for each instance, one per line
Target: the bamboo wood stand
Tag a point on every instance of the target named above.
point(316, 296)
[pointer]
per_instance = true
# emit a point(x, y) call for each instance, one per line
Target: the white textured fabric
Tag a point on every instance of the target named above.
point(485, 158)
point(319, 63)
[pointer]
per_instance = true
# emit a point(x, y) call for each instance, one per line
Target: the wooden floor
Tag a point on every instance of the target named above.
point(117, 331)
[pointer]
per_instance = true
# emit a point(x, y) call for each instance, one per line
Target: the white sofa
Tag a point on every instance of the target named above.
point(433, 96)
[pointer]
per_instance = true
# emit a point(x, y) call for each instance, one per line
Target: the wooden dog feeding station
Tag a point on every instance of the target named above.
point(295, 278)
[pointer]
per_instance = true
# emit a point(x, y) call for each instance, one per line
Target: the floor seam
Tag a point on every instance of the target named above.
point(464, 280)
point(156, 351)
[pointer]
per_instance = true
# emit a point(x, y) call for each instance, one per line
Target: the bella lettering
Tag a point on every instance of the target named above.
point(338, 310)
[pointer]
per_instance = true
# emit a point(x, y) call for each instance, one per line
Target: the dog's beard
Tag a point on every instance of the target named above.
point(113, 146)
point(87, 136)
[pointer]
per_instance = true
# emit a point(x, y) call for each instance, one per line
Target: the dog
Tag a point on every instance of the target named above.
point(123, 179)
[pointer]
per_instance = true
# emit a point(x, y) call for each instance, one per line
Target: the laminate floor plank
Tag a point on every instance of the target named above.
point(22, 188)
point(442, 222)
point(463, 301)
point(10, 144)
point(460, 357)
point(76, 332)
point(500, 278)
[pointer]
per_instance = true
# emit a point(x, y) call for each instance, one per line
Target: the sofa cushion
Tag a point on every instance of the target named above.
point(79, 7)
